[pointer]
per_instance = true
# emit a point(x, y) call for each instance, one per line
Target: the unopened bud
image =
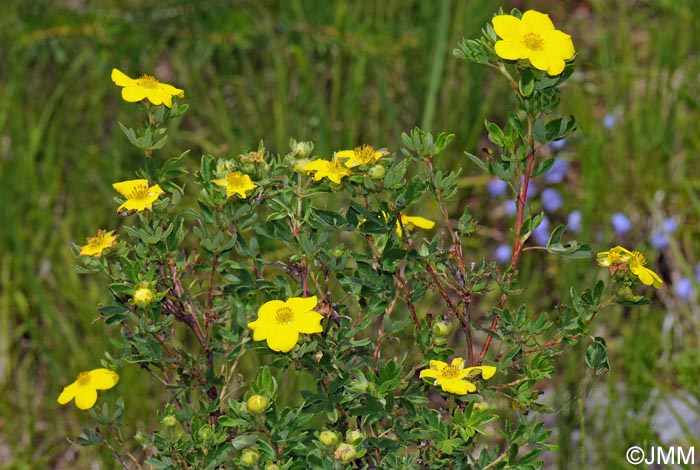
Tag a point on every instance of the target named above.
point(441, 328)
point(345, 452)
point(257, 404)
point(328, 438)
point(249, 457)
point(300, 164)
point(377, 172)
point(205, 433)
point(169, 421)
point(272, 466)
point(143, 295)
point(354, 437)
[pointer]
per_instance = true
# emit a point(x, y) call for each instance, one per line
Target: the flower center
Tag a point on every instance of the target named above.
point(83, 379)
point(148, 81)
point(234, 179)
point(284, 315)
point(641, 259)
point(139, 192)
point(450, 372)
point(533, 41)
point(365, 153)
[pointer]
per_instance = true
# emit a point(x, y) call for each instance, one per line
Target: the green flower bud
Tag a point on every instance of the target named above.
point(272, 466)
point(169, 421)
point(257, 404)
point(624, 293)
point(302, 149)
point(299, 165)
point(377, 172)
point(354, 436)
point(143, 295)
point(249, 457)
point(328, 438)
point(441, 328)
point(205, 433)
point(345, 452)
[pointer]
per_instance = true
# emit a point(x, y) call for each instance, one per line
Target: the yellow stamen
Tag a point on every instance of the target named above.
point(148, 81)
point(533, 41)
point(83, 378)
point(284, 315)
point(139, 192)
point(450, 371)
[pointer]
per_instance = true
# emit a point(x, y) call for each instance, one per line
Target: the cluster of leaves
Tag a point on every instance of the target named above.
point(392, 297)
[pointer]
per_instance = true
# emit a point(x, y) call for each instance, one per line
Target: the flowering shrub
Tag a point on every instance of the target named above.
point(298, 317)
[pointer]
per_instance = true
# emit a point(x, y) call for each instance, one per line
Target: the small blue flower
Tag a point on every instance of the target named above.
point(496, 187)
point(670, 225)
point(551, 200)
point(684, 289)
point(574, 221)
point(659, 240)
point(609, 121)
point(541, 233)
point(557, 145)
point(503, 253)
point(621, 223)
point(557, 172)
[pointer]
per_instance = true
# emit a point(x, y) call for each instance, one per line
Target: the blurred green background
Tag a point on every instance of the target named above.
point(343, 73)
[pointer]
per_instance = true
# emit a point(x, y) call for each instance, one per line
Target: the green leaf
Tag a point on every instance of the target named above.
point(597, 357)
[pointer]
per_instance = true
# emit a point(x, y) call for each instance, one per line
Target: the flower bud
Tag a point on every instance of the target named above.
point(143, 295)
point(377, 172)
point(257, 404)
point(328, 438)
point(272, 466)
point(624, 293)
point(169, 421)
point(249, 457)
point(354, 436)
point(441, 328)
point(345, 452)
point(205, 433)
point(300, 164)
point(302, 149)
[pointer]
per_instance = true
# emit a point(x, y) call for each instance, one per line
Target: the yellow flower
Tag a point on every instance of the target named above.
point(139, 196)
point(236, 183)
point(146, 87)
point(411, 221)
point(281, 322)
point(97, 244)
point(533, 37)
point(451, 376)
point(360, 156)
point(334, 170)
point(619, 258)
point(85, 388)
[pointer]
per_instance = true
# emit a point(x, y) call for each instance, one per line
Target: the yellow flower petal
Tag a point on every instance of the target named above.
point(417, 221)
point(125, 188)
point(85, 397)
point(133, 94)
point(103, 379)
point(510, 50)
point(120, 79)
point(308, 322)
point(429, 373)
point(507, 27)
point(302, 303)
point(537, 21)
point(282, 340)
point(457, 386)
point(138, 195)
point(67, 394)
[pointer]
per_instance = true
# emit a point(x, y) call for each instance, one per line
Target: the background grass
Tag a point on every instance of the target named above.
point(341, 74)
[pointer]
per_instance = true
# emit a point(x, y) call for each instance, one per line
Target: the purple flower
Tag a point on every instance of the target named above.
point(658, 240)
point(697, 272)
point(502, 253)
point(574, 221)
point(609, 121)
point(541, 233)
point(670, 225)
point(621, 223)
point(496, 187)
point(684, 289)
point(551, 200)
point(557, 145)
point(557, 172)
